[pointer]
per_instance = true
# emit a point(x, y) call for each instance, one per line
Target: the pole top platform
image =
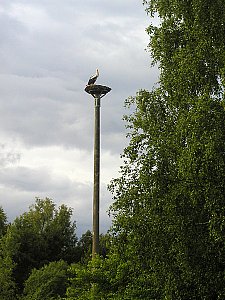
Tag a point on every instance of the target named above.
point(97, 91)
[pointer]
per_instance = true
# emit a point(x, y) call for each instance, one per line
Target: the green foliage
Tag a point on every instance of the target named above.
point(3, 222)
point(111, 278)
point(189, 46)
point(84, 246)
point(41, 235)
point(170, 199)
point(105, 243)
point(7, 284)
point(48, 283)
point(165, 203)
point(99, 279)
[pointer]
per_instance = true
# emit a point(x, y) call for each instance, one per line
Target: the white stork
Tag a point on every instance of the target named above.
point(93, 78)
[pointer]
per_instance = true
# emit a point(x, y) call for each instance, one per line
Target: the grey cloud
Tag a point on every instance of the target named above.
point(33, 180)
point(48, 50)
point(8, 156)
point(21, 185)
point(57, 116)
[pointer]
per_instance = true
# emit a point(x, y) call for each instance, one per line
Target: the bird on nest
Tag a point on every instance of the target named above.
point(93, 78)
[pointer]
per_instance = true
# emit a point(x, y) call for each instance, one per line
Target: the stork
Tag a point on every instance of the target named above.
point(93, 78)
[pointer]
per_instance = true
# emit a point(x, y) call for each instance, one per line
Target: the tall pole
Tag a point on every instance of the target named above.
point(95, 242)
point(97, 91)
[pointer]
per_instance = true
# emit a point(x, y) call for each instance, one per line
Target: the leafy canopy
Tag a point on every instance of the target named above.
point(41, 235)
point(169, 201)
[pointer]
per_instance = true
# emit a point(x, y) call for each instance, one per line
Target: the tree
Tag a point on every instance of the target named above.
point(169, 203)
point(85, 245)
point(7, 284)
point(3, 222)
point(48, 283)
point(8, 288)
point(99, 279)
point(39, 236)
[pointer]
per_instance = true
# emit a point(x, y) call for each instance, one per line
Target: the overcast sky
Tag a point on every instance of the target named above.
point(48, 50)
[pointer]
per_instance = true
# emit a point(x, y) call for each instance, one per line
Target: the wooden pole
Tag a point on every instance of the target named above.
point(95, 242)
